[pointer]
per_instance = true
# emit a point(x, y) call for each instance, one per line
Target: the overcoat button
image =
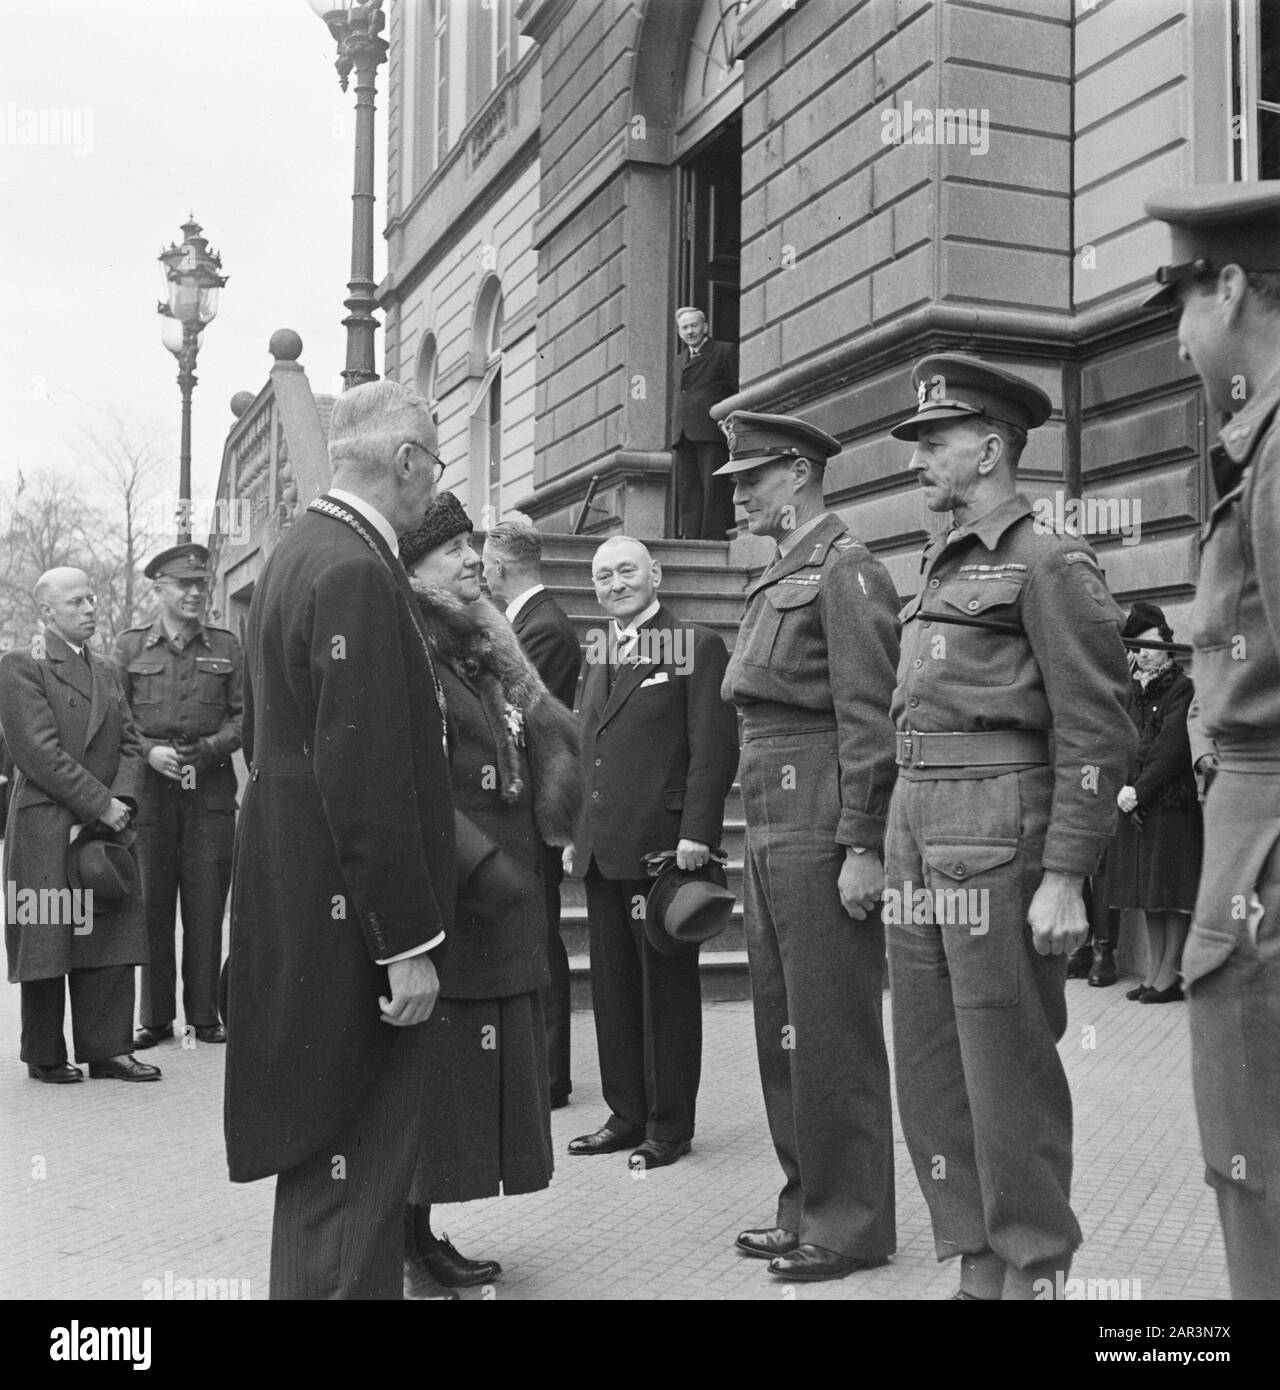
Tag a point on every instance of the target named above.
point(917, 663)
point(974, 605)
point(913, 702)
point(960, 870)
point(934, 583)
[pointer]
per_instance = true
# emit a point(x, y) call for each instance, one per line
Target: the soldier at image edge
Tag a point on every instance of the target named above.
point(1224, 275)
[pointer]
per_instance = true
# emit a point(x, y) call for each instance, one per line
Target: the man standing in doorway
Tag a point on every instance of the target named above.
point(708, 373)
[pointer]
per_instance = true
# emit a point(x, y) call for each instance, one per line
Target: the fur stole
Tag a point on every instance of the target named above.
point(479, 642)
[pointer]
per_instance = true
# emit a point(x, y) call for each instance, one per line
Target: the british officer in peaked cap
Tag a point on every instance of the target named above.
point(183, 679)
point(1012, 635)
point(1224, 274)
point(812, 673)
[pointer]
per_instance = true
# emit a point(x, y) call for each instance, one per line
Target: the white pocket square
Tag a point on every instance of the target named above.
point(658, 678)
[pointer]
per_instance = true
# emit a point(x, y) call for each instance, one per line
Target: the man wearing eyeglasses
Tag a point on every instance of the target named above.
point(183, 679)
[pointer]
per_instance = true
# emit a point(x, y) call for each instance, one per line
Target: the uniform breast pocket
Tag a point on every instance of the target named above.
point(146, 683)
point(777, 641)
point(212, 674)
point(978, 655)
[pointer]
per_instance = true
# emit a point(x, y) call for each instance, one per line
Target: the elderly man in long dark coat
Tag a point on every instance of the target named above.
point(344, 871)
point(79, 763)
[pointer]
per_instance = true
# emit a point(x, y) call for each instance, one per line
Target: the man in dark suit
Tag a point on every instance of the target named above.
point(512, 570)
point(79, 763)
point(345, 873)
point(708, 373)
point(659, 749)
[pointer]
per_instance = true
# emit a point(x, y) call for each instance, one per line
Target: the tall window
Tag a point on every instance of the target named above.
point(486, 403)
point(425, 376)
point(1257, 73)
point(440, 74)
point(493, 52)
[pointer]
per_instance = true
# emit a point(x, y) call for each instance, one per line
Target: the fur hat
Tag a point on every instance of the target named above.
point(1142, 617)
point(444, 518)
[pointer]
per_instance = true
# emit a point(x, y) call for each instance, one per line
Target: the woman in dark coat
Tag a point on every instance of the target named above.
point(513, 752)
point(1154, 860)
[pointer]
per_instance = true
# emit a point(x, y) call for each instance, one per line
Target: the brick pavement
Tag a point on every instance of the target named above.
point(107, 1186)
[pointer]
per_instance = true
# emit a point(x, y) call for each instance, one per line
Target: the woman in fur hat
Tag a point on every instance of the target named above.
point(1154, 861)
point(513, 751)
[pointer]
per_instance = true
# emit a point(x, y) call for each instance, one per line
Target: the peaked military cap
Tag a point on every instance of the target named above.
point(953, 386)
point(1216, 225)
point(185, 561)
point(755, 439)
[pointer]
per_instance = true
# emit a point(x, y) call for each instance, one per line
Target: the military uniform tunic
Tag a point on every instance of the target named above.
point(181, 691)
point(812, 672)
point(1232, 958)
point(977, 1012)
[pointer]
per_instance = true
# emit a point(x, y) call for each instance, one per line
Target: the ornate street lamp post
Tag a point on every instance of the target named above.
point(191, 283)
point(356, 28)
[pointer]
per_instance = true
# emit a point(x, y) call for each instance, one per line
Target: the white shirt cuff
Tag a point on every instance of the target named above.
point(417, 950)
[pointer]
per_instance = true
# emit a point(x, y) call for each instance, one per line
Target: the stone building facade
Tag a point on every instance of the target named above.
point(842, 185)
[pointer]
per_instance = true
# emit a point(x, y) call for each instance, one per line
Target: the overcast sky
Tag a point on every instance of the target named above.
point(226, 108)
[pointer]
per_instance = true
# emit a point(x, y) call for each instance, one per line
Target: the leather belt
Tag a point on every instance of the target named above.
point(1009, 746)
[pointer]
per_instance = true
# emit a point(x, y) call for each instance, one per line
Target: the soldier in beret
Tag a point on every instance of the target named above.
point(1012, 636)
point(1224, 276)
point(183, 679)
point(812, 673)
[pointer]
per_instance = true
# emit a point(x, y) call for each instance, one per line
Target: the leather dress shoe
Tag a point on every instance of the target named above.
point(964, 1296)
point(151, 1034)
point(1137, 991)
point(211, 1033)
point(658, 1153)
point(812, 1262)
point(1161, 996)
point(453, 1270)
point(767, 1242)
point(419, 1286)
point(60, 1075)
point(603, 1141)
point(123, 1068)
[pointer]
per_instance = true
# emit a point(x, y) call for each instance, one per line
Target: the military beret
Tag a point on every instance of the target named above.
point(186, 561)
point(444, 518)
point(755, 439)
point(1216, 225)
point(952, 386)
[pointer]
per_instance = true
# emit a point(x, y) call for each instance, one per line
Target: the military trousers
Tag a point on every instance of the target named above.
point(977, 1016)
point(1232, 964)
point(185, 840)
point(817, 981)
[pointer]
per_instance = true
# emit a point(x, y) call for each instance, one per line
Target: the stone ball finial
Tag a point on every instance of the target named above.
point(241, 402)
point(285, 345)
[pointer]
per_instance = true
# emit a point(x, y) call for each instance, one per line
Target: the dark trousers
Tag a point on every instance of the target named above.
point(184, 851)
point(101, 1016)
point(977, 1016)
point(555, 997)
point(338, 1231)
point(817, 982)
point(705, 503)
point(648, 1012)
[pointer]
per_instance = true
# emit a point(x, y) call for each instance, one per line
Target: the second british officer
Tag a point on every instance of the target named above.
point(1013, 741)
point(183, 679)
point(812, 673)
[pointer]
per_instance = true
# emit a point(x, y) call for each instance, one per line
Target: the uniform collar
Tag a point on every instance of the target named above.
point(1238, 438)
point(827, 529)
point(157, 634)
point(793, 538)
point(988, 528)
